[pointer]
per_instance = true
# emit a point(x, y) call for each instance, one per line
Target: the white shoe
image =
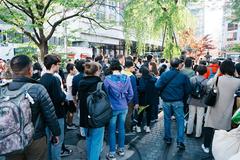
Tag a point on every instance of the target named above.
point(134, 128)
point(144, 128)
point(206, 150)
point(147, 129)
point(138, 129)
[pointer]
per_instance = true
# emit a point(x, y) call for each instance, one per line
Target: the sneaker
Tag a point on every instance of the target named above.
point(138, 129)
point(168, 140)
point(121, 152)
point(144, 128)
point(71, 127)
point(66, 152)
point(181, 146)
point(206, 150)
point(110, 156)
point(134, 128)
point(147, 130)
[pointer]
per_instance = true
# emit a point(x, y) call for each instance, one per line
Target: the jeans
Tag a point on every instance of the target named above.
point(177, 108)
point(193, 110)
point(94, 138)
point(54, 150)
point(120, 117)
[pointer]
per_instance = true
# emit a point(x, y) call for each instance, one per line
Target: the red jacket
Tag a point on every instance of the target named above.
point(214, 68)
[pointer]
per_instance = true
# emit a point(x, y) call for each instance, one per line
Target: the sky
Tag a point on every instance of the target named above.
point(214, 20)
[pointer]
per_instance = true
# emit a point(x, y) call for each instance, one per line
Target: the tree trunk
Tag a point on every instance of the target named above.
point(43, 49)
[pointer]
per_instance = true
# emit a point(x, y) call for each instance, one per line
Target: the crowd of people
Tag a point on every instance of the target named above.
point(178, 88)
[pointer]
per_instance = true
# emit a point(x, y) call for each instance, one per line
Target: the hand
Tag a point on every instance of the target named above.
point(136, 106)
point(55, 140)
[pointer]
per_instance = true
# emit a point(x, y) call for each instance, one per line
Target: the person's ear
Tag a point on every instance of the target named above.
point(30, 71)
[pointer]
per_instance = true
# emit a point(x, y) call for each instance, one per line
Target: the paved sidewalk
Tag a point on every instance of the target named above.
point(145, 146)
point(142, 146)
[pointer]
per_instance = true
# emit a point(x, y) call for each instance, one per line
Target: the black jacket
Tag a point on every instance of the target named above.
point(87, 84)
point(43, 106)
point(53, 86)
point(148, 93)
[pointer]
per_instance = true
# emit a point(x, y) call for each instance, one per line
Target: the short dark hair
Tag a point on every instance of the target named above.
point(227, 67)
point(149, 57)
point(203, 62)
point(37, 66)
point(162, 60)
point(69, 67)
point(188, 62)
point(20, 64)
point(79, 64)
point(129, 58)
point(201, 69)
point(135, 58)
point(175, 62)
point(98, 58)
point(237, 66)
point(50, 60)
point(115, 65)
point(129, 63)
point(144, 70)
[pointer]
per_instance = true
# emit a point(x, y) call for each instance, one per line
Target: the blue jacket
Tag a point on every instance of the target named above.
point(119, 90)
point(177, 90)
point(75, 83)
point(134, 85)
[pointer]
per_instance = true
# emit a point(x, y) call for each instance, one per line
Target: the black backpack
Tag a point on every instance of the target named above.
point(198, 90)
point(99, 108)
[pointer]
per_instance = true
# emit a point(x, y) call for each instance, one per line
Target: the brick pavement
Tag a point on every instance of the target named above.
point(149, 146)
point(143, 146)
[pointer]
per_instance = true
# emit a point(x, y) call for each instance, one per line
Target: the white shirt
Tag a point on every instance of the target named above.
point(69, 87)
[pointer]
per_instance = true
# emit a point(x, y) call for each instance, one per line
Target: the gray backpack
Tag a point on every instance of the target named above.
point(16, 127)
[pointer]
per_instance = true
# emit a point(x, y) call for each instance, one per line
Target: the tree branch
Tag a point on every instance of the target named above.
point(18, 25)
point(54, 26)
point(94, 20)
point(19, 7)
point(46, 8)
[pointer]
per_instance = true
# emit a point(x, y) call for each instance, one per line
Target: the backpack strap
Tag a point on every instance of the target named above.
point(99, 86)
point(8, 94)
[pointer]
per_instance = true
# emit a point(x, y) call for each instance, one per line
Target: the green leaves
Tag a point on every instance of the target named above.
point(235, 6)
point(148, 19)
point(235, 48)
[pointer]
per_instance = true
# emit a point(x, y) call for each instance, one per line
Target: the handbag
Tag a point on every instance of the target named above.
point(211, 98)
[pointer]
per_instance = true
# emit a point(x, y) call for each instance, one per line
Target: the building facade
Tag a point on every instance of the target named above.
point(81, 34)
point(197, 9)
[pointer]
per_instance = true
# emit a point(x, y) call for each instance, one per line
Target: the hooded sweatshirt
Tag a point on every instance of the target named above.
point(86, 85)
point(119, 89)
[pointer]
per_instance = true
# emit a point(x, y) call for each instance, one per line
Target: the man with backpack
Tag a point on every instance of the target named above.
point(30, 107)
point(195, 101)
point(174, 87)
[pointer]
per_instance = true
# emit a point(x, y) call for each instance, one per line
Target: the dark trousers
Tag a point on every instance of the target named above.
point(37, 150)
point(154, 112)
point(148, 110)
point(208, 136)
